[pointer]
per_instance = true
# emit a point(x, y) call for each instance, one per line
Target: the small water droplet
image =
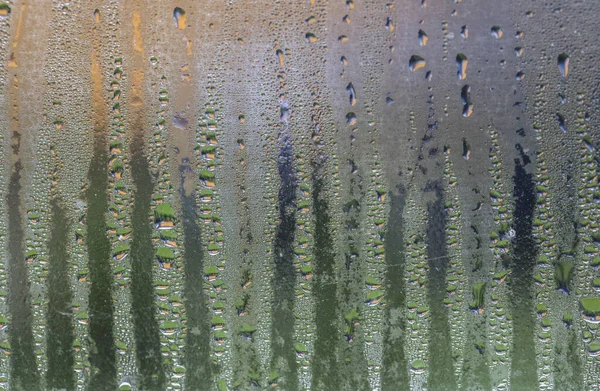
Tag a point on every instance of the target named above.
point(520, 75)
point(351, 119)
point(496, 32)
point(518, 51)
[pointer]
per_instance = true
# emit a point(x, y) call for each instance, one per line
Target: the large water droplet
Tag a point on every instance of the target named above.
point(563, 64)
point(352, 93)
point(466, 100)
point(423, 38)
point(461, 64)
point(180, 18)
point(416, 62)
point(4, 10)
point(562, 123)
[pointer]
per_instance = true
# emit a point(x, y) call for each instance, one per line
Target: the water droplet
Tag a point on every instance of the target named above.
point(389, 25)
point(279, 53)
point(352, 93)
point(284, 113)
point(423, 38)
point(519, 51)
point(563, 64)
point(496, 32)
point(180, 121)
point(461, 64)
point(180, 18)
point(562, 98)
point(4, 10)
point(466, 100)
point(416, 62)
point(562, 123)
point(466, 149)
point(520, 75)
point(464, 31)
point(125, 386)
point(351, 119)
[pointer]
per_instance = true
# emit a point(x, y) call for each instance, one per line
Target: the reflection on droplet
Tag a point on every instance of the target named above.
point(125, 387)
point(180, 18)
point(416, 62)
point(563, 64)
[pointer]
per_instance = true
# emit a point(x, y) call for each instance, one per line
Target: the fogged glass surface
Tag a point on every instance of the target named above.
point(299, 195)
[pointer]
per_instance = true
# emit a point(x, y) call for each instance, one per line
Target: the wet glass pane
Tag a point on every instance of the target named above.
point(299, 195)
